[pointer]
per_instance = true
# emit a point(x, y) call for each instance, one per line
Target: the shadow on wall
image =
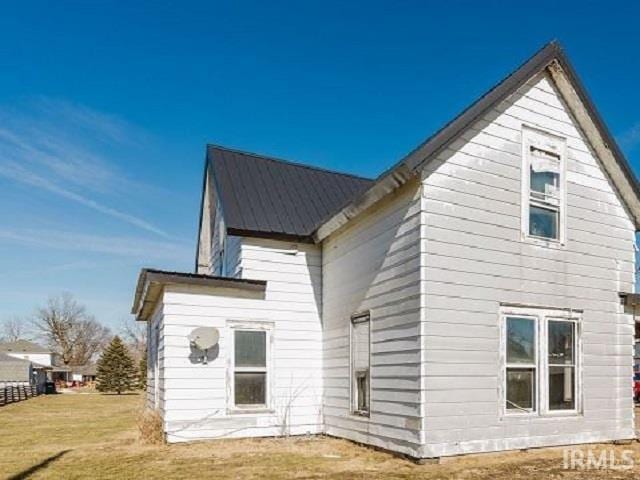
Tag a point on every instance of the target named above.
point(372, 259)
point(197, 356)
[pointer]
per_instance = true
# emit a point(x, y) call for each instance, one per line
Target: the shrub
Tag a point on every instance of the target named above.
point(150, 427)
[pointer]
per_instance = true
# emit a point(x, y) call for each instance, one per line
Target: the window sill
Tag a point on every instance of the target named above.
point(541, 417)
point(250, 411)
point(543, 242)
point(359, 416)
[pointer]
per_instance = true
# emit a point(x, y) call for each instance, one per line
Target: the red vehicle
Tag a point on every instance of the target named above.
point(636, 386)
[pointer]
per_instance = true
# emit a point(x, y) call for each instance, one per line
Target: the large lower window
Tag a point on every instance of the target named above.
point(541, 362)
point(361, 363)
point(250, 368)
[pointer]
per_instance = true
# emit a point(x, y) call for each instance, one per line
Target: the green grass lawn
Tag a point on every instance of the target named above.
point(95, 436)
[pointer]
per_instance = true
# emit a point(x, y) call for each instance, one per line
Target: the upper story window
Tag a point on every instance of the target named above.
point(543, 182)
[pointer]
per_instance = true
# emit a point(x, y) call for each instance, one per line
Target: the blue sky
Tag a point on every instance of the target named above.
point(106, 107)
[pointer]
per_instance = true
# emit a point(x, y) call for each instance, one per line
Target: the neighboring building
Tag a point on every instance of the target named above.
point(27, 350)
point(467, 300)
point(84, 373)
point(38, 358)
point(15, 371)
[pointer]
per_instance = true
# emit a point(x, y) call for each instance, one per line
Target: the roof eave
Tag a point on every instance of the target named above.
point(287, 237)
point(151, 284)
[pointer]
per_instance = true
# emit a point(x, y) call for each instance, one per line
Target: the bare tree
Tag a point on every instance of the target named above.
point(13, 329)
point(70, 331)
point(134, 335)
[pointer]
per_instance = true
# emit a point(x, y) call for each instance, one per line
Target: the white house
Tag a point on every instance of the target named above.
point(475, 297)
point(34, 359)
point(27, 350)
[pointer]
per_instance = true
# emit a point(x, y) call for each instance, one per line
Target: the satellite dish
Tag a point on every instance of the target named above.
point(204, 338)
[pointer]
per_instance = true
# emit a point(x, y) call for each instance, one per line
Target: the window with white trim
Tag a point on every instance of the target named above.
point(360, 364)
point(521, 367)
point(250, 372)
point(540, 361)
point(543, 185)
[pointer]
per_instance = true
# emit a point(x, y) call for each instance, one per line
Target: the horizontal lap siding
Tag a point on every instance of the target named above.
point(473, 259)
point(155, 350)
point(373, 264)
point(218, 236)
point(197, 395)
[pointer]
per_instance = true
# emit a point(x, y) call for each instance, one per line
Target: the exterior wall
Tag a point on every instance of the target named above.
point(372, 263)
point(41, 358)
point(232, 257)
point(198, 402)
point(40, 379)
point(222, 251)
point(155, 360)
point(473, 259)
point(218, 238)
point(218, 253)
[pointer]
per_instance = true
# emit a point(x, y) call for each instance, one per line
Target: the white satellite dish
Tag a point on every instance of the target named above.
point(204, 338)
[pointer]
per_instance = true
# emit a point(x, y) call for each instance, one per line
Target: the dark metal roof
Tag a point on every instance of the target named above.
point(412, 163)
point(264, 196)
point(151, 282)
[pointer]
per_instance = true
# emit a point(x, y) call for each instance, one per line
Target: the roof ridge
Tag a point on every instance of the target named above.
point(288, 162)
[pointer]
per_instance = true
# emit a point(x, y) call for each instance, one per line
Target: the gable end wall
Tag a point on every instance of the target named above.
point(474, 259)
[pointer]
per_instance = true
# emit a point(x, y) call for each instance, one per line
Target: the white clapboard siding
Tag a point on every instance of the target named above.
point(373, 264)
point(217, 237)
point(197, 399)
point(155, 355)
point(473, 259)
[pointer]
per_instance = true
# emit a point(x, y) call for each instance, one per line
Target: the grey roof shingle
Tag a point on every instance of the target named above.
point(264, 196)
point(22, 346)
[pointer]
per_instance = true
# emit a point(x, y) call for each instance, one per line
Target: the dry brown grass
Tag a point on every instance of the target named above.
point(150, 427)
point(96, 437)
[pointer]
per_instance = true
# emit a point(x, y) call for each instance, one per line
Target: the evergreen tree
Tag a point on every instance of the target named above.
point(142, 367)
point(116, 371)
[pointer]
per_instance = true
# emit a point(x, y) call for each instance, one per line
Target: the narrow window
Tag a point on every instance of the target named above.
point(361, 362)
point(562, 364)
point(221, 266)
point(521, 364)
point(544, 185)
point(250, 368)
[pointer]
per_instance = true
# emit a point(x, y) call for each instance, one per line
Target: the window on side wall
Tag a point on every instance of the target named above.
point(543, 185)
point(540, 361)
point(360, 364)
point(250, 372)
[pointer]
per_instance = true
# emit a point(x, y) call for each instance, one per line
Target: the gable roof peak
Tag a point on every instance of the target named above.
point(550, 58)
